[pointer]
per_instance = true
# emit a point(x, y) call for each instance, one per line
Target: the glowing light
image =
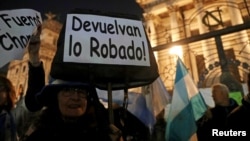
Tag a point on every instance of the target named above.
point(176, 50)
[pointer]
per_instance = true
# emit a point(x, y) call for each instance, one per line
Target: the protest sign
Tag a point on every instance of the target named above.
point(16, 28)
point(105, 40)
point(104, 48)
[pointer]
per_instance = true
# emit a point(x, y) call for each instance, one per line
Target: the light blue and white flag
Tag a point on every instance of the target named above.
point(157, 96)
point(186, 108)
point(145, 103)
point(136, 105)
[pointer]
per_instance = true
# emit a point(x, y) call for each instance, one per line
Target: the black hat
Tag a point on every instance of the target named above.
point(47, 95)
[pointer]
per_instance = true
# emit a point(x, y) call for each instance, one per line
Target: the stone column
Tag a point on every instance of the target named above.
point(174, 25)
point(175, 32)
point(151, 32)
point(241, 37)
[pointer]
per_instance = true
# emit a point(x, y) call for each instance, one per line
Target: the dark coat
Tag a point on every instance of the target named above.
point(93, 126)
point(217, 120)
point(7, 126)
point(239, 119)
point(130, 125)
point(54, 128)
point(36, 81)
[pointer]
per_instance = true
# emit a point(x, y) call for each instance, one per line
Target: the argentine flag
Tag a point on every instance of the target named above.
point(186, 108)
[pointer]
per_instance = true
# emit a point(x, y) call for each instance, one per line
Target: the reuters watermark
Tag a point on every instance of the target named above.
point(228, 133)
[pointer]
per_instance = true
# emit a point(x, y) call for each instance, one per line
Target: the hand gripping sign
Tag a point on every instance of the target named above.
point(104, 49)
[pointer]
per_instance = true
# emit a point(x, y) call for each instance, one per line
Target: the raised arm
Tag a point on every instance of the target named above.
point(36, 75)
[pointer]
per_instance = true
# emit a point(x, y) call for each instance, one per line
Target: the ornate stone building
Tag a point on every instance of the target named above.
point(212, 37)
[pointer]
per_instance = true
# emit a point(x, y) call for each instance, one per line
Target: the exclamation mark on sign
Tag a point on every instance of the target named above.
point(144, 52)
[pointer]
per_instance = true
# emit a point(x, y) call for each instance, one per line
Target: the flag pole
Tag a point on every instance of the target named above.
point(110, 106)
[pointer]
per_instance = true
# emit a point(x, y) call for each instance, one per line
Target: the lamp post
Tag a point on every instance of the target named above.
point(226, 77)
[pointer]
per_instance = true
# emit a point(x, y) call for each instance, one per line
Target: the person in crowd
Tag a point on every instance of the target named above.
point(68, 110)
point(126, 122)
point(159, 127)
point(21, 115)
point(73, 112)
point(238, 119)
point(215, 118)
point(7, 104)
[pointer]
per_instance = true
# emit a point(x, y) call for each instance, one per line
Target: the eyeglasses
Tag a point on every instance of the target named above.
point(67, 92)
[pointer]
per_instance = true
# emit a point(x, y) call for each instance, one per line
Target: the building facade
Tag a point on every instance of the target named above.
point(212, 38)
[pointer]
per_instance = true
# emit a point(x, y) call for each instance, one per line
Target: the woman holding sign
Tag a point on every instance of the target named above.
point(72, 110)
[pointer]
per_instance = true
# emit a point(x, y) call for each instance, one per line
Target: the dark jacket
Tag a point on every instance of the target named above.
point(92, 126)
point(7, 126)
point(215, 118)
point(239, 119)
point(36, 81)
point(51, 127)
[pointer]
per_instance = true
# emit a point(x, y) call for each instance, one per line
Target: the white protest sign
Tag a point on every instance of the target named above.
point(16, 27)
point(105, 40)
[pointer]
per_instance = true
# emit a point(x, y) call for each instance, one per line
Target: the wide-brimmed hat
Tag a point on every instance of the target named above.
point(48, 94)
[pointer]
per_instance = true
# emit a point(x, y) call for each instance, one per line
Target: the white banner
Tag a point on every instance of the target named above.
point(105, 40)
point(16, 27)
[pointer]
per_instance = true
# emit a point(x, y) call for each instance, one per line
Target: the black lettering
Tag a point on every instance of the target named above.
point(33, 19)
point(13, 41)
point(24, 20)
point(37, 20)
point(76, 47)
point(122, 29)
point(112, 48)
point(144, 52)
point(95, 25)
point(111, 29)
point(2, 37)
point(103, 28)
point(70, 45)
point(16, 41)
point(18, 21)
point(104, 51)
point(116, 28)
point(130, 31)
point(86, 25)
point(137, 32)
point(122, 52)
point(76, 20)
point(130, 51)
point(94, 49)
point(24, 41)
point(5, 19)
point(138, 53)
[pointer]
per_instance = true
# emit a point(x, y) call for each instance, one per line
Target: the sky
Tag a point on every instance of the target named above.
point(61, 7)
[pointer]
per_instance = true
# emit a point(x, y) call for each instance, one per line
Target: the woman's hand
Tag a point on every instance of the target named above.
point(34, 46)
